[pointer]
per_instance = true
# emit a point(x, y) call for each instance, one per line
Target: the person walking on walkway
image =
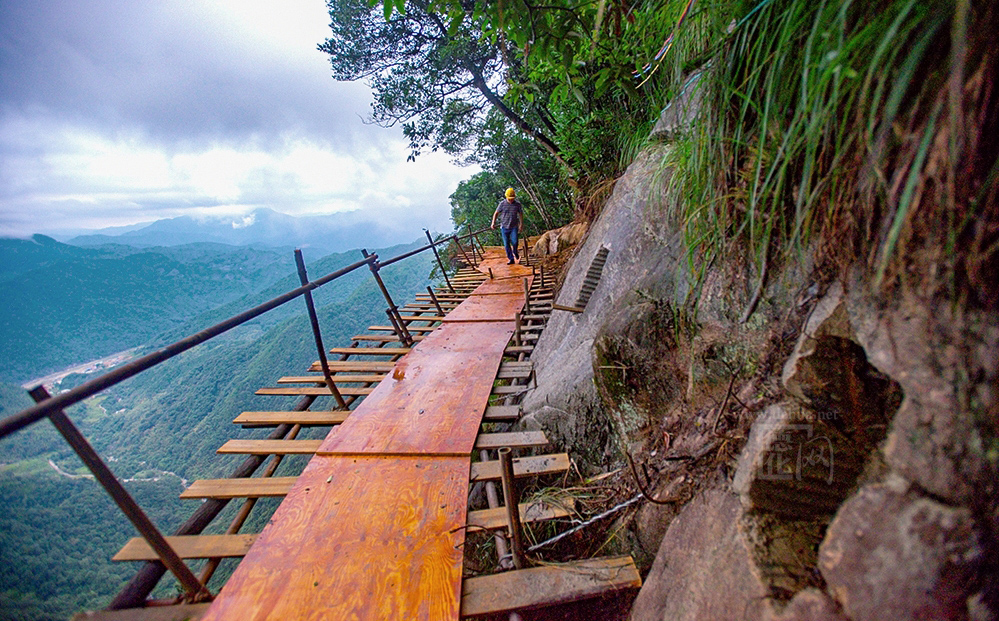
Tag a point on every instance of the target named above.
point(511, 222)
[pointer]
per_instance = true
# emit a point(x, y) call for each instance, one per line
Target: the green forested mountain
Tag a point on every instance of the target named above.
point(57, 533)
point(65, 305)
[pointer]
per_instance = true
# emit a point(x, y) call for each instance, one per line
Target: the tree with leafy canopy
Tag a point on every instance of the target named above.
point(438, 77)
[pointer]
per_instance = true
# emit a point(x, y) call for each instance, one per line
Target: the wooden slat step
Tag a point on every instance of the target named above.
point(189, 546)
point(513, 439)
point(308, 419)
point(257, 487)
point(365, 366)
point(529, 512)
point(180, 612)
point(421, 317)
point(495, 413)
point(355, 366)
point(370, 351)
point(316, 391)
point(337, 379)
point(382, 338)
point(548, 585)
point(410, 328)
point(537, 465)
point(269, 487)
point(270, 447)
point(518, 349)
point(507, 390)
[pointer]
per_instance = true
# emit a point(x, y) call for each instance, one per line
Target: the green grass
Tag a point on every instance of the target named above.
point(840, 127)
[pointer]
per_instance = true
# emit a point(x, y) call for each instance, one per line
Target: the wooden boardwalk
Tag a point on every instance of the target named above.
point(374, 526)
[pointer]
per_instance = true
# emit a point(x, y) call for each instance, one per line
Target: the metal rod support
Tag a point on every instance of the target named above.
point(516, 329)
point(511, 498)
point(433, 298)
point(440, 263)
point(374, 267)
point(303, 276)
point(196, 592)
point(463, 253)
point(527, 253)
point(527, 298)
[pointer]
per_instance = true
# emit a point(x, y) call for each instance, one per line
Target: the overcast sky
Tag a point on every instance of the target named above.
point(114, 112)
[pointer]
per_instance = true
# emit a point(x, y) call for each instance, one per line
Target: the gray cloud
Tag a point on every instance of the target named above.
point(163, 68)
point(117, 111)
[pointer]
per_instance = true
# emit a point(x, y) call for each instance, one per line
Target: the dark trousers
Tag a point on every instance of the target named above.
point(510, 243)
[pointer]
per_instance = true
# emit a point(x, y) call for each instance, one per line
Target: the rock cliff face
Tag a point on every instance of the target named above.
point(833, 457)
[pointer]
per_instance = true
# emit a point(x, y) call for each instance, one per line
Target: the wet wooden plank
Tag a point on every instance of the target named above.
point(355, 366)
point(270, 447)
point(317, 391)
point(337, 379)
point(497, 413)
point(488, 308)
point(536, 465)
point(548, 585)
point(257, 487)
point(371, 538)
point(189, 546)
point(409, 412)
point(370, 351)
point(180, 612)
point(493, 519)
point(513, 439)
point(307, 419)
point(383, 338)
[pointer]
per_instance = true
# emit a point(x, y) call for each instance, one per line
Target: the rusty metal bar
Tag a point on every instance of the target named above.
point(433, 298)
point(440, 263)
point(244, 512)
point(463, 253)
point(471, 244)
point(527, 253)
point(492, 498)
point(395, 326)
point(196, 592)
point(511, 498)
point(527, 298)
point(374, 267)
point(490, 272)
point(516, 329)
point(542, 275)
point(134, 594)
point(303, 276)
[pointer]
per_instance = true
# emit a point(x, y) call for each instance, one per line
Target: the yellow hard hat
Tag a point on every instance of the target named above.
point(510, 193)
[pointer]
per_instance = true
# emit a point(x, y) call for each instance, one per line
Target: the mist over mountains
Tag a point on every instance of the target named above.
point(261, 228)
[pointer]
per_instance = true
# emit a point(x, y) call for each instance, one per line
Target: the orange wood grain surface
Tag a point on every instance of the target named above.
point(373, 528)
point(358, 538)
point(433, 400)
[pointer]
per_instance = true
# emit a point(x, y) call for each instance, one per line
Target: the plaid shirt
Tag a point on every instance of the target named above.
point(509, 214)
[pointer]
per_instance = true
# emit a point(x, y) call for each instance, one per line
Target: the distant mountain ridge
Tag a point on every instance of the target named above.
point(261, 228)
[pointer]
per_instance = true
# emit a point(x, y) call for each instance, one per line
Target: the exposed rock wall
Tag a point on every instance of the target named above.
point(839, 450)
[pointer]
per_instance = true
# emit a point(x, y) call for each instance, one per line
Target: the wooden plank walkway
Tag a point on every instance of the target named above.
point(373, 528)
